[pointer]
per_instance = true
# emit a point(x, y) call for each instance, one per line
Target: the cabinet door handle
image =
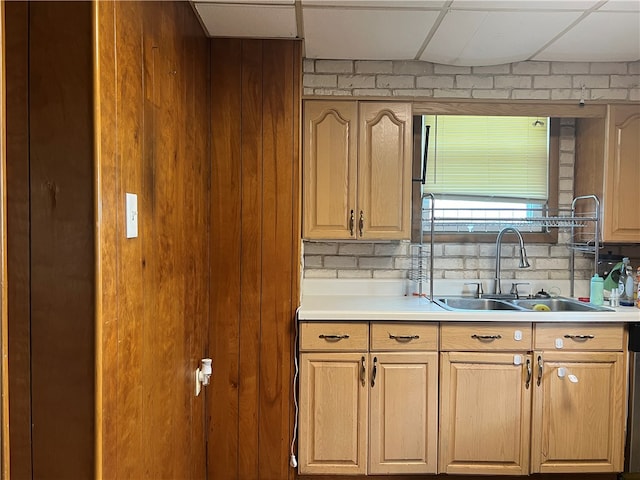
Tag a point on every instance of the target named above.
point(486, 338)
point(403, 338)
point(539, 380)
point(374, 372)
point(333, 338)
point(529, 373)
point(352, 222)
point(363, 372)
point(361, 223)
point(579, 337)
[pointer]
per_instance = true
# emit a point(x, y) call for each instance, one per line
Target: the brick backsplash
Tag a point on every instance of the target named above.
point(616, 81)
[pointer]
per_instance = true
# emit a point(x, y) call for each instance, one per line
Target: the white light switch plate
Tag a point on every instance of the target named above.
point(132, 215)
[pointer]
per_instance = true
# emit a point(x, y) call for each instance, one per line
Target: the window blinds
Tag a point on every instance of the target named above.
point(475, 156)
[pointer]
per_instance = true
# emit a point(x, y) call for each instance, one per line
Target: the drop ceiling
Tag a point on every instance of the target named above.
point(451, 32)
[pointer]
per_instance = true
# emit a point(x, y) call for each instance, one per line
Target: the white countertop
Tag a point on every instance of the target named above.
point(389, 301)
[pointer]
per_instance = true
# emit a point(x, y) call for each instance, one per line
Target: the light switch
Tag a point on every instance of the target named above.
point(132, 215)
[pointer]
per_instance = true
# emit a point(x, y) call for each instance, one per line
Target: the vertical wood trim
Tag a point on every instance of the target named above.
point(252, 258)
point(105, 201)
point(225, 241)
point(4, 410)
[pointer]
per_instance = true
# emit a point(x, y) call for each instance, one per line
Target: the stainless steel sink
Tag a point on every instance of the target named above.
point(466, 303)
point(556, 304)
point(560, 304)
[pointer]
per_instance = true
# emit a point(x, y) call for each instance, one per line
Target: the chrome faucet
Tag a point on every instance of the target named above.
point(524, 262)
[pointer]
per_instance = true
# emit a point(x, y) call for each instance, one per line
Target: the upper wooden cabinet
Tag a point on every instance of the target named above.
point(357, 170)
point(608, 165)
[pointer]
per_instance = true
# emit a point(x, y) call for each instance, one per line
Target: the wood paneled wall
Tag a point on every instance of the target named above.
point(255, 256)
point(152, 115)
point(50, 239)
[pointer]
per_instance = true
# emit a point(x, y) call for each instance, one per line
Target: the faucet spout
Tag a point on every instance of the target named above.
point(524, 262)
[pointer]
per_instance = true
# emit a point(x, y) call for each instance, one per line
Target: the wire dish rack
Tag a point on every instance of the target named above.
point(582, 220)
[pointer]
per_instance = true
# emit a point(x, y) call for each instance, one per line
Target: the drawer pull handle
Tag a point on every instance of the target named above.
point(486, 338)
point(363, 372)
point(333, 338)
point(539, 380)
point(529, 372)
point(579, 337)
point(351, 223)
point(375, 372)
point(403, 338)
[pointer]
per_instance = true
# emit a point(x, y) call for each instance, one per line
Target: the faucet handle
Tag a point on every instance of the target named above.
point(479, 291)
point(514, 288)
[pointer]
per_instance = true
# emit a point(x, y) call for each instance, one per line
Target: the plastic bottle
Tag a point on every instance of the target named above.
point(596, 292)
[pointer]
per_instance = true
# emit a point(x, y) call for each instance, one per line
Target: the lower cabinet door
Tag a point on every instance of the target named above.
point(403, 434)
point(579, 409)
point(333, 413)
point(485, 410)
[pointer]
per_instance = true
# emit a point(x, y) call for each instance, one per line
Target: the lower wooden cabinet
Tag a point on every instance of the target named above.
point(579, 412)
point(485, 413)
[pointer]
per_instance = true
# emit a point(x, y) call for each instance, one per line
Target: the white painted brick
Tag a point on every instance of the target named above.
point(340, 262)
point(569, 67)
point(320, 248)
point(334, 66)
point(402, 263)
point(413, 92)
point(450, 93)
point(565, 171)
point(531, 94)
point(435, 81)
point(565, 94)
point(355, 249)
point(412, 67)
point(634, 94)
point(448, 263)
point(497, 94)
point(454, 274)
point(371, 92)
point(316, 80)
point(609, 94)
point(566, 158)
point(537, 250)
point(559, 251)
point(356, 81)
point(471, 263)
point(565, 198)
point(567, 144)
point(308, 65)
point(395, 81)
point(440, 69)
point(354, 274)
point(452, 250)
point(331, 92)
point(375, 262)
point(528, 274)
point(307, 91)
point(313, 261)
point(487, 263)
point(566, 184)
point(591, 81)
point(560, 275)
point(567, 131)
point(625, 81)
point(609, 68)
point(391, 249)
point(374, 66)
point(554, 81)
point(530, 68)
point(313, 273)
point(389, 274)
point(552, 263)
point(474, 81)
point(513, 81)
point(634, 67)
point(492, 69)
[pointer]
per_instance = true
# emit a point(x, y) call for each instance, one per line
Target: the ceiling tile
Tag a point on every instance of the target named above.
point(255, 2)
point(252, 21)
point(495, 37)
point(389, 4)
point(600, 37)
point(522, 5)
point(365, 34)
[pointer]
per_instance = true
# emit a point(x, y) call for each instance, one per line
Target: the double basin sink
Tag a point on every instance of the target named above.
point(556, 304)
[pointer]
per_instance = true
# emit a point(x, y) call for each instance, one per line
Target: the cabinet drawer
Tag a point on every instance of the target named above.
point(579, 336)
point(485, 336)
point(330, 337)
point(394, 336)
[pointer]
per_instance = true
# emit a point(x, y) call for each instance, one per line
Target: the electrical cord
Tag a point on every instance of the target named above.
point(292, 460)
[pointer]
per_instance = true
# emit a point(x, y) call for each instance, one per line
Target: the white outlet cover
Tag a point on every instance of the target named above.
point(132, 215)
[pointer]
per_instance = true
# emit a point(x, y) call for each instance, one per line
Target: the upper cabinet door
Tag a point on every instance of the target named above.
point(384, 171)
point(622, 175)
point(330, 166)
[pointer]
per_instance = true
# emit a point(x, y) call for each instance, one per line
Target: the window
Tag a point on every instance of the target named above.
point(486, 172)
